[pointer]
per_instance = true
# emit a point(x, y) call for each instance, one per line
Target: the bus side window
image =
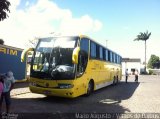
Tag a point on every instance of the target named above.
point(101, 52)
point(111, 58)
point(83, 56)
point(107, 58)
point(104, 54)
point(109, 54)
point(93, 52)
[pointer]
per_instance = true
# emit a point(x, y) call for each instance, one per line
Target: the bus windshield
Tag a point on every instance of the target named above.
point(53, 58)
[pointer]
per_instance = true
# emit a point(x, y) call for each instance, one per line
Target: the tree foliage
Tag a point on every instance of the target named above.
point(1, 41)
point(143, 36)
point(4, 8)
point(153, 60)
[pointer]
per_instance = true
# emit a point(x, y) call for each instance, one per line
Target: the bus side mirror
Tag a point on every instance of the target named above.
point(24, 53)
point(75, 55)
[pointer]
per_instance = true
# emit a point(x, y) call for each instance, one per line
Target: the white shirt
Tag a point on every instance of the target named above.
point(136, 72)
point(126, 73)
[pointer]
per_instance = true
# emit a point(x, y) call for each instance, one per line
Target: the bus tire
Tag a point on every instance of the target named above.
point(90, 88)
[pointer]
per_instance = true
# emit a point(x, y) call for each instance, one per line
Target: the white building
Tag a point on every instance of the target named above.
point(131, 64)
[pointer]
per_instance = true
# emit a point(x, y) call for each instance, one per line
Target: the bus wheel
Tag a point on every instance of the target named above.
point(90, 88)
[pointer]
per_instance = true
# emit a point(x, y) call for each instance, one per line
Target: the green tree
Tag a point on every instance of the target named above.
point(153, 59)
point(4, 8)
point(143, 37)
point(1, 41)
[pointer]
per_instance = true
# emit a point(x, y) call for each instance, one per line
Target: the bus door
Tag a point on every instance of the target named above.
point(82, 73)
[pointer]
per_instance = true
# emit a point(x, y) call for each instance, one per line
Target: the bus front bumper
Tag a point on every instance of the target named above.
point(69, 93)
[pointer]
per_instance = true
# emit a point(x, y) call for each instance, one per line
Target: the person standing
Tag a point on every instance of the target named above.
point(1, 85)
point(126, 74)
point(136, 75)
point(7, 87)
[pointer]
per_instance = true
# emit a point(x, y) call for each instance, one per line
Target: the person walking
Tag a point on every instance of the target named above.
point(7, 87)
point(136, 75)
point(126, 74)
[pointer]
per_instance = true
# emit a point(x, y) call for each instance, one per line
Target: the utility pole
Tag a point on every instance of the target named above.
point(106, 43)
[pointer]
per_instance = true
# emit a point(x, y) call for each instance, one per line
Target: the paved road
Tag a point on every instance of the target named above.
point(131, 97)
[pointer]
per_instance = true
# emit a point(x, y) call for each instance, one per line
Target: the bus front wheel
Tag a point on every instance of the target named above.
point(90, 88)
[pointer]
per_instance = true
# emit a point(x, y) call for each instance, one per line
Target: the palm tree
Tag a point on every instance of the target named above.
point(4, 8)
point(143, 37)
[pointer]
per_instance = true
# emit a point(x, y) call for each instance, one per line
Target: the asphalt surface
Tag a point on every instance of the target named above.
point(131, 97)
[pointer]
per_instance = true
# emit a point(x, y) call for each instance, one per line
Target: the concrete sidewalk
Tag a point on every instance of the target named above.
point(20, 88)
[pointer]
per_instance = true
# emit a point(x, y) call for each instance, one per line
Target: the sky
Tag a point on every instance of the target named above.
point(112, 23)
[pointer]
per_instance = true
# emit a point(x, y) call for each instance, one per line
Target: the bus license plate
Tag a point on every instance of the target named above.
point(47, 92)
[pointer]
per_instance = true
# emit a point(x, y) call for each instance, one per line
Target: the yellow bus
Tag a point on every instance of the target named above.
point(70, 66)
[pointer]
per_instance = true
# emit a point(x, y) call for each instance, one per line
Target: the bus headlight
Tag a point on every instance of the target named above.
point(63, 86)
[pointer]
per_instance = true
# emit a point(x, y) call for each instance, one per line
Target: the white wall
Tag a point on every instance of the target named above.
point(129, 66)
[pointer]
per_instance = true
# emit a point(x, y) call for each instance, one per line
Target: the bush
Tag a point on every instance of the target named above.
point(150, 72)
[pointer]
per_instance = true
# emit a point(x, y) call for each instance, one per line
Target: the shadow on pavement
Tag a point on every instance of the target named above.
point(105, 100)
point(21, 85)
